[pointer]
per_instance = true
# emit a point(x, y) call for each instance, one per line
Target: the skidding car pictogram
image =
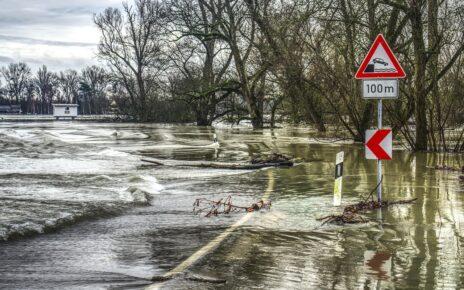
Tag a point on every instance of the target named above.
point(379, 61)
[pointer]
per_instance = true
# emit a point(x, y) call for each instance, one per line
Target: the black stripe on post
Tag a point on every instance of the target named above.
point(338, 170)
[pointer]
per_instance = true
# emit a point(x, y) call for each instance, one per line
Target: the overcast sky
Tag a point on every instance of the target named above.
point(57, 33)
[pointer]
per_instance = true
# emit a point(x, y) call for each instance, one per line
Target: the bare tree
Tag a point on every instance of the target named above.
point(202, 58)
point(285, 40)
point(130, 43)
point(69, 84)
point(46, 85)
point(422, 86)
point(16, 77)
point(93, 84)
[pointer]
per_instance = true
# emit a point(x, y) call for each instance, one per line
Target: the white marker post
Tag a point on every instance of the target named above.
point(215, 140)
point(338, 179)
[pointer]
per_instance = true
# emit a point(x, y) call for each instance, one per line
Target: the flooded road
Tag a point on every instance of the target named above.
point(79, 209)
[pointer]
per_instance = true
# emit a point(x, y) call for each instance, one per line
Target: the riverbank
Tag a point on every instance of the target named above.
point(48, 118)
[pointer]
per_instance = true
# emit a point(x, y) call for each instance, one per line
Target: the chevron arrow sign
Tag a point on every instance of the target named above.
point(379, 144)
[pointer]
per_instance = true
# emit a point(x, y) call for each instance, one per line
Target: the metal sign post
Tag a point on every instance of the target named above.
point(379, 162)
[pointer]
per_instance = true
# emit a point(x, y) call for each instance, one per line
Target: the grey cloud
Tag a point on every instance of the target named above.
point(6, 59)
point(28, 40)
point(63, 26)
point(51, 63)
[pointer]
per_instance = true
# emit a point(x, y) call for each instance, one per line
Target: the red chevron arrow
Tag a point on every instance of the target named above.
point(374, 144)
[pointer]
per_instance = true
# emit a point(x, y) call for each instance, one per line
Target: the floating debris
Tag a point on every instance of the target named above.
point(225, 206)
point(273, 158)
point(351, 213)
point(449, 168)
point(216, 165)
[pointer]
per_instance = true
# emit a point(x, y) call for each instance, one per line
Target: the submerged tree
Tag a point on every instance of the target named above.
point(202, 58)
point(295, 59)
point(285, 31)
point(131, 45)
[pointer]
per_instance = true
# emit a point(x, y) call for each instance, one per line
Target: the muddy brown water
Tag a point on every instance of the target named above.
point(80, 210)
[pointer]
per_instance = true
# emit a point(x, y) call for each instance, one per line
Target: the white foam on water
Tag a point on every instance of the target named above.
point(221, 124)
point(114, 153)
point(122, 135)
point(147, 183)
point(70, 136)
point(63, 166)
point(141, 189)
point(212, 145)
point(15, 134)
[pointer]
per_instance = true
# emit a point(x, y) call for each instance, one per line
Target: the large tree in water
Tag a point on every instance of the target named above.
point(131, 44)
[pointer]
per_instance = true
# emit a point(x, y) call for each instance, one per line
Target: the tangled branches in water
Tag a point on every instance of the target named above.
point(225, 206)
point(272, 158)
point(449, 168)
point(351, 212)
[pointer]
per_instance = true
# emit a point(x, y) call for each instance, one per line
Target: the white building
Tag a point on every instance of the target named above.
point(65, 111)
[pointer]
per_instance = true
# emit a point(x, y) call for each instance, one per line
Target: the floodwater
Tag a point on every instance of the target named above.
point(80, 210)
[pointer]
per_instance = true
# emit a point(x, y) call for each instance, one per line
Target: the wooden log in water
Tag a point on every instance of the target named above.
point(217, 165)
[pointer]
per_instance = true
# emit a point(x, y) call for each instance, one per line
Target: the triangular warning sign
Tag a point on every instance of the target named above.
point(380, 62)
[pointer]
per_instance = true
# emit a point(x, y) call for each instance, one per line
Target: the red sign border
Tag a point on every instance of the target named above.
point(380, 40)
point(383, 154)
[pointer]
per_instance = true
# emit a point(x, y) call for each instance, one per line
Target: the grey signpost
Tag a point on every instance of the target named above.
point(382, 87)
point(379, 161)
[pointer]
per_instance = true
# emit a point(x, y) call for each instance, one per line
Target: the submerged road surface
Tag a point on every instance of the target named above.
point(80, 210)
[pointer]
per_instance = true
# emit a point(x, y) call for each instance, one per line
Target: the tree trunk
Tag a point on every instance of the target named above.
point(202, 119)
point(256, 114)
point(368, 110)
point(420, 61)
point(257, 122)
point(434, 49)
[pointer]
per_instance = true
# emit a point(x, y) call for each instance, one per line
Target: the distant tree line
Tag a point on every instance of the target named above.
point(292, 60)
point(35, 93)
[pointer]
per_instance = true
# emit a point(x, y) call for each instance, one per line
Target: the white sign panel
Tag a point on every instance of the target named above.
point(380, 89)
point(379, 144)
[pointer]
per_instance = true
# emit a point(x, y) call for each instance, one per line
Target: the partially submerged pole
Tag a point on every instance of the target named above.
point(379, 162)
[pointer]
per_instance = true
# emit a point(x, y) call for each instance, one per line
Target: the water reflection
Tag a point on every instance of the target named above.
point(413, 246)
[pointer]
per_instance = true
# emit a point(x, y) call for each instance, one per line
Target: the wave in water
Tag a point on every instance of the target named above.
point(32, 144)
point(71, 215)
point(27, 217)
